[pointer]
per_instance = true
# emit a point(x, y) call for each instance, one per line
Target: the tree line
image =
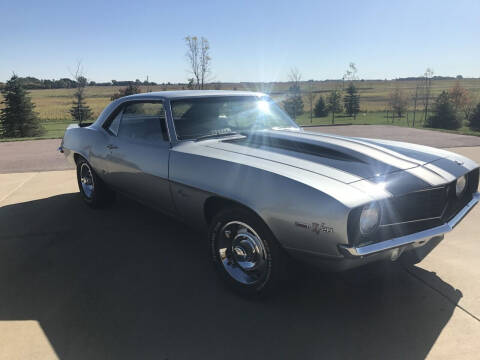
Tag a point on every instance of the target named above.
point(450, 110)
point(337, 100)
point(32, 83)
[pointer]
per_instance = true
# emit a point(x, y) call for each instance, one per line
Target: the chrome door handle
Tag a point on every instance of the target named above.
point(110, 147)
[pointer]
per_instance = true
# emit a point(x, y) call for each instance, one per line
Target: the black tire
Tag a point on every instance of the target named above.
point(100, 195)
point(272, 273)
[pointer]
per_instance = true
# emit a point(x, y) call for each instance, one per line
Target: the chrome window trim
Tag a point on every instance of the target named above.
point(125, 102)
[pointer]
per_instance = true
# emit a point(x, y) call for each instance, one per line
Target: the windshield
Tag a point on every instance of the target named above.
point(202, 117)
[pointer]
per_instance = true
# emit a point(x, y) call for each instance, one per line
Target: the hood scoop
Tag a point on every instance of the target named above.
point(299, 147)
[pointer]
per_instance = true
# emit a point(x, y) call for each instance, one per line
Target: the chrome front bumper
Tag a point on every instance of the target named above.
point(412, 239)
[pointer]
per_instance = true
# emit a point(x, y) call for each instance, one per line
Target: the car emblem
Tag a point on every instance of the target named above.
point(315, 227)
point(459, 162)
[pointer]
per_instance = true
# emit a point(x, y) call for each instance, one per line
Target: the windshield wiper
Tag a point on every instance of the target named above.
point(209, 136)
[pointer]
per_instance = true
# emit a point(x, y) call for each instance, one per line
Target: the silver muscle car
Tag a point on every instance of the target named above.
point(234, 164)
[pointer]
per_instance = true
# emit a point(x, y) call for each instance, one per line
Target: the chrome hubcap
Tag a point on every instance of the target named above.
point(242, 252)
point(86, 179)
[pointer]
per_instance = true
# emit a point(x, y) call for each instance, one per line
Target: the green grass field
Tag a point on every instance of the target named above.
point(52, 105)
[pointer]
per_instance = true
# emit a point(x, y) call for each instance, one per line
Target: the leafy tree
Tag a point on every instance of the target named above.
point(293, 105)
point(459, 96)
point(351, 101)
point(311, 98)
point(350, 74)
point(427, 86)
point(17, 118)
point(131, 89)
point(398, 102)
point(474, 122)
point(334, 103)
point(320, 108)
point(199, 60)
point(444, 114)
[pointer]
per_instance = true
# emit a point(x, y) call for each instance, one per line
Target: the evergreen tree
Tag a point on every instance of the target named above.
point(320, 108)
point(293, 105)
point(444, 114)
point(80, 111)
point(475, 119)
point(17, 118)
point(351, 101)
point(334, 103)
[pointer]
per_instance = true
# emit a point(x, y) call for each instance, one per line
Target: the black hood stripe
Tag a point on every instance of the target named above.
point(420, 156)
point(373, 152)
point(346, 160)
point(286, 159)
point(430, 173)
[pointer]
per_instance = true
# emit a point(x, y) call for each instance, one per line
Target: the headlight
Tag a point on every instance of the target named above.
point(460, 185)
point(369, 218)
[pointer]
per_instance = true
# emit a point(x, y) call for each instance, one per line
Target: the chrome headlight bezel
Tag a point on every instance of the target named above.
point(460, 185)
point(369, 218)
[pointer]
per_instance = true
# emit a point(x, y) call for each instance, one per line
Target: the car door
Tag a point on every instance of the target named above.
point(139, 153)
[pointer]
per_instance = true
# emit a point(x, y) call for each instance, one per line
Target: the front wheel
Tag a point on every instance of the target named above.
point(245, 252)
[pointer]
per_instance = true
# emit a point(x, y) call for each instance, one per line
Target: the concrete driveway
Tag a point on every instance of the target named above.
point(42, 155)
point(127, 282)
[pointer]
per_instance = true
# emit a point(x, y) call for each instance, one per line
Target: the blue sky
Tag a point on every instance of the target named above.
point(250, 40)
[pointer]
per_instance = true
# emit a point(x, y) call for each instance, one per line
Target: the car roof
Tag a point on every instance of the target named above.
point(180, 94)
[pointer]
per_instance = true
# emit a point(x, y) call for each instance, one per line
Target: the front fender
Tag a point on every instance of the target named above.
point(301, 216)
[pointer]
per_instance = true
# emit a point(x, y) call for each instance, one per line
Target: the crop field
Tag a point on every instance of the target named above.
point(53, 105)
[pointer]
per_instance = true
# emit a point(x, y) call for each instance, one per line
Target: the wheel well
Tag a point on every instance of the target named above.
point(214, 204)
point(77, 157)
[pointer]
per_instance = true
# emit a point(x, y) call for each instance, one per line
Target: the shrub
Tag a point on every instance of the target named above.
point(320, 109)
point(474, 122)
point(444, 114)
point(131, 89)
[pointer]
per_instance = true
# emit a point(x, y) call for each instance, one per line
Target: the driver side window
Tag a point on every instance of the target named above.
point(141, 121)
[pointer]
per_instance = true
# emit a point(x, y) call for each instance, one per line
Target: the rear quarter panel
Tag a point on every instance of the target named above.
point(88, 142)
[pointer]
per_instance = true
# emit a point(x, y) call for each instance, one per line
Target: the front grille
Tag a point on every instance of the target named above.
point(423, 204)
point(417, 211)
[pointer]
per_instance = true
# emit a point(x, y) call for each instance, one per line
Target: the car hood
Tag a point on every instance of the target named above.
point(347, 159)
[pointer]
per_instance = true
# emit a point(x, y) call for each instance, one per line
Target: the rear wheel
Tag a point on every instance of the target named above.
point(93, 190)
point(245, 253)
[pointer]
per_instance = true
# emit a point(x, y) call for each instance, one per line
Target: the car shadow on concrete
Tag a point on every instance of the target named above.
point(128, 282)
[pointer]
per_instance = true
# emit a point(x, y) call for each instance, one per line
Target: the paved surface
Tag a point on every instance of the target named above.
point(42, 155)
point(34, 155)
point(127, 283)
point(418, 136)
